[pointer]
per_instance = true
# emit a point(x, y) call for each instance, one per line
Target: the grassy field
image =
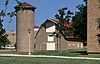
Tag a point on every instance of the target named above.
point(27, 60)
point(70, 53)
point(7, 51)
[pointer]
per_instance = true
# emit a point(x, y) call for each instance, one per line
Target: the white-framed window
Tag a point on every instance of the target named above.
point(81, 45)
point(78, 45)
point(69, 44)
point(50, 46)
point(73, 44)
point(50, 37)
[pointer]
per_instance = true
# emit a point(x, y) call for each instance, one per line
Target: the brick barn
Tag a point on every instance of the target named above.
point(45, 39)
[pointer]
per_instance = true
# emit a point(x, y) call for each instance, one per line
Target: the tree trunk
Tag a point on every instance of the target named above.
point(4, 47)
point(57, 43)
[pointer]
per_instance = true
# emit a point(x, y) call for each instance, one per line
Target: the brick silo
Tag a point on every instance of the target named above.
point(24, 27)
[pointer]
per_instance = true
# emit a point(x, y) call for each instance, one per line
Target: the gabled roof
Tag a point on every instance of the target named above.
point(49, 20)
point(58, 22)
point(52, 20)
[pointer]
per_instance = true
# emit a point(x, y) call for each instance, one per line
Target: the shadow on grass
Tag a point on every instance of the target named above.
point(81, 52)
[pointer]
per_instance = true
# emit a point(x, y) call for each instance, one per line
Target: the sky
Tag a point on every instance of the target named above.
point(44, 9)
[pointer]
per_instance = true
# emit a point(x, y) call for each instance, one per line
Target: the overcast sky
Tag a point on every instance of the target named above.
point(45, 9)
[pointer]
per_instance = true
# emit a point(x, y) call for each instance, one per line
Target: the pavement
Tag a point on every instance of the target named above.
point(47, 56)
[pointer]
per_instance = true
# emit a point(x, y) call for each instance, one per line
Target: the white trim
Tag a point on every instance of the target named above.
point(36, 29)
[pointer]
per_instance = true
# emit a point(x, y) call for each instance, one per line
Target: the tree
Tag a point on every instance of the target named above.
point(80, 22)
point(63, 16)
point(3, 36)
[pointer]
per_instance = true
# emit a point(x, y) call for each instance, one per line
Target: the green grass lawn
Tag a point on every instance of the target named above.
point(7, 51)
point(27, 60)
point(75, 52)
point(70, 53)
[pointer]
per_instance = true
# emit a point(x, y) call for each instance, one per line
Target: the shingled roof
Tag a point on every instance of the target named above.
point(69, 24)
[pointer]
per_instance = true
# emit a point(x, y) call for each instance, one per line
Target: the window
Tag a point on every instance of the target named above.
point(50, 46)
point(69, 44)
point(78, 45)
point(13, 34)
point(50, 37)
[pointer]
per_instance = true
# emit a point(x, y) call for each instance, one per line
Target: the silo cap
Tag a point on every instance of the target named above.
point(24, 5)
point(27, 4)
